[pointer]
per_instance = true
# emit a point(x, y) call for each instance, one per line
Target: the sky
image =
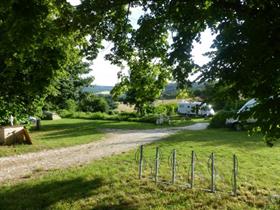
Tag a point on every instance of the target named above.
point(106, 73)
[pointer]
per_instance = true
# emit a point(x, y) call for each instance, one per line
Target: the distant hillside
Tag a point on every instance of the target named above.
point(170, 91)
point(98, 89)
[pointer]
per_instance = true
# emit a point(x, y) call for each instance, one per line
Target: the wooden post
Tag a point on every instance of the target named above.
point(27, 137)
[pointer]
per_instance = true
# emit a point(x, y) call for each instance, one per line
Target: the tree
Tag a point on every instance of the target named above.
point(69, 87)
point(184, 94)
point(92, 103)
point(219, 97)
point(143, 85)
point(37, 47)
point(41, 41)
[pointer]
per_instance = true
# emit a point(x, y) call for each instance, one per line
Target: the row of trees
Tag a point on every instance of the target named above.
point(43, 40)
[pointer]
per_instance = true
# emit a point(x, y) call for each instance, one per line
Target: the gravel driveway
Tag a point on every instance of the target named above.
point(114, 142)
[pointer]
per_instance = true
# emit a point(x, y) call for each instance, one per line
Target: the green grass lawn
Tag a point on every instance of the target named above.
point(69, 132)
point(112, 183)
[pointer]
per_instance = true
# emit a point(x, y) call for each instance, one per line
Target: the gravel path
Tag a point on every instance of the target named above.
point(114, 142)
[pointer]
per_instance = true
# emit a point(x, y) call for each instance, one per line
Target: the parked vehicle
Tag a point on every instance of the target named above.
point(236, 123)
point(195, 109)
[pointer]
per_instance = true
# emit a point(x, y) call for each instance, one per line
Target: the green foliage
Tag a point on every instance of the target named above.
point(37, 48)
point(71, 105)
point(219, 119)
point(148, 118)
point(69, 87)
point(163, 109)
point(99, 116)
point(7, 109)
point(112, 104)
point(144, 84)
point(184, 94)
point(268, 120)
point(220, 97)
point(92, 103)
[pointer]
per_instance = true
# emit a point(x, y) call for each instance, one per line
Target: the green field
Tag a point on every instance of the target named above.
point(69, 132)
point(112, 183)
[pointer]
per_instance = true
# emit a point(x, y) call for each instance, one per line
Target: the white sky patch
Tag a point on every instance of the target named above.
point(135, 14)
point(103, 71)
point(74, 2)
point(204, 46)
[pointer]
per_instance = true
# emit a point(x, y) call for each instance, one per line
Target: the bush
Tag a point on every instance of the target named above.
point(163, 109)
point(129, 114)
point(65, 113)
point(17, 110)
point(124, 116)
point(160, 109)
point(150, 118)
point(219, 120)
point(71, 105)
point(92, 103)
point(171, 109)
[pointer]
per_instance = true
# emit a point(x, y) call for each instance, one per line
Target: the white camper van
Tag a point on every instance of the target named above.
point(235, 122)
point(195, 108)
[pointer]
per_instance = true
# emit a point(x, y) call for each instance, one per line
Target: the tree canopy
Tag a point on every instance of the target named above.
point(37, 46)
point(143, 85)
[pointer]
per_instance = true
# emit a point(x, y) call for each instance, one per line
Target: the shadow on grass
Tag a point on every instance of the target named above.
point(121, 206)
point(46, 194)
point(72, 129)
point(215, 138)
point(77, 123)
point(75, 128)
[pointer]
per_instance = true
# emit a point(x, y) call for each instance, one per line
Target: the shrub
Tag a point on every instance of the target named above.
point(71, 105)
point(65, 113)
point(18, 111)
point(128, 114)
point(219, 120)
point(160, 109)
point(150, 118)
point(98, 116)
point(125, 116)
point(163, 109)
point(92, 103)
point(171, 109)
